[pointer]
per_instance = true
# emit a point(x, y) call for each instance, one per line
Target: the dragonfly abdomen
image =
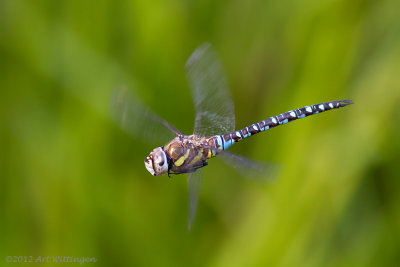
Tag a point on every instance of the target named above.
point(225, 141)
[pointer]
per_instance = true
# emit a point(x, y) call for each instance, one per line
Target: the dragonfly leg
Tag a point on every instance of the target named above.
point(193, 169)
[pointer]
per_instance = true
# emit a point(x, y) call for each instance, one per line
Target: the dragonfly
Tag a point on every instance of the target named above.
point(214, 126)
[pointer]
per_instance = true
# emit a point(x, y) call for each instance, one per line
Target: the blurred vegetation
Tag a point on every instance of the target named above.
point(73, 184)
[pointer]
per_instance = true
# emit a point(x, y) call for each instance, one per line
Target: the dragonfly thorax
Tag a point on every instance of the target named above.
point(156, 162)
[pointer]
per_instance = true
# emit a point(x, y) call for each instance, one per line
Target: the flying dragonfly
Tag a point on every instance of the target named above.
point(214, 126)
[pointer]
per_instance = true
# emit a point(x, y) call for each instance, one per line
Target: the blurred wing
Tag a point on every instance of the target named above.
point(250, 169)
point(136, 118)
point(194, 184)
point(212, 99)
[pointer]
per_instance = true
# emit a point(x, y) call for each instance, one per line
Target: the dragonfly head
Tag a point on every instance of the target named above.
point(156, 162)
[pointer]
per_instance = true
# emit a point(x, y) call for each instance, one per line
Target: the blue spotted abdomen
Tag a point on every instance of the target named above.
point(225, 141)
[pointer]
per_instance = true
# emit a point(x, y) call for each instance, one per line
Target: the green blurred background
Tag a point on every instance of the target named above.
point(74, 184)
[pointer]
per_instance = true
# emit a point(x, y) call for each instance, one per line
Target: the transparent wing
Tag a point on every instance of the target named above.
point(251, 169)
point(194, 184)
point(212, 99)
point(136, 118)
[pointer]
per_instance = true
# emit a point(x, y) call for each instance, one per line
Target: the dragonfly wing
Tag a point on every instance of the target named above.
point(194, 184)
point(136, 118)
point(251, 169)
point(212, 99)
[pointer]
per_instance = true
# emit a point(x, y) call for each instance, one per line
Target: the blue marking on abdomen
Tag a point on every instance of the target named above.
point(229, 139)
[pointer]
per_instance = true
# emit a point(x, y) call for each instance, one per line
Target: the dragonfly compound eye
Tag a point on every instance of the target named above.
point(156, 163)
